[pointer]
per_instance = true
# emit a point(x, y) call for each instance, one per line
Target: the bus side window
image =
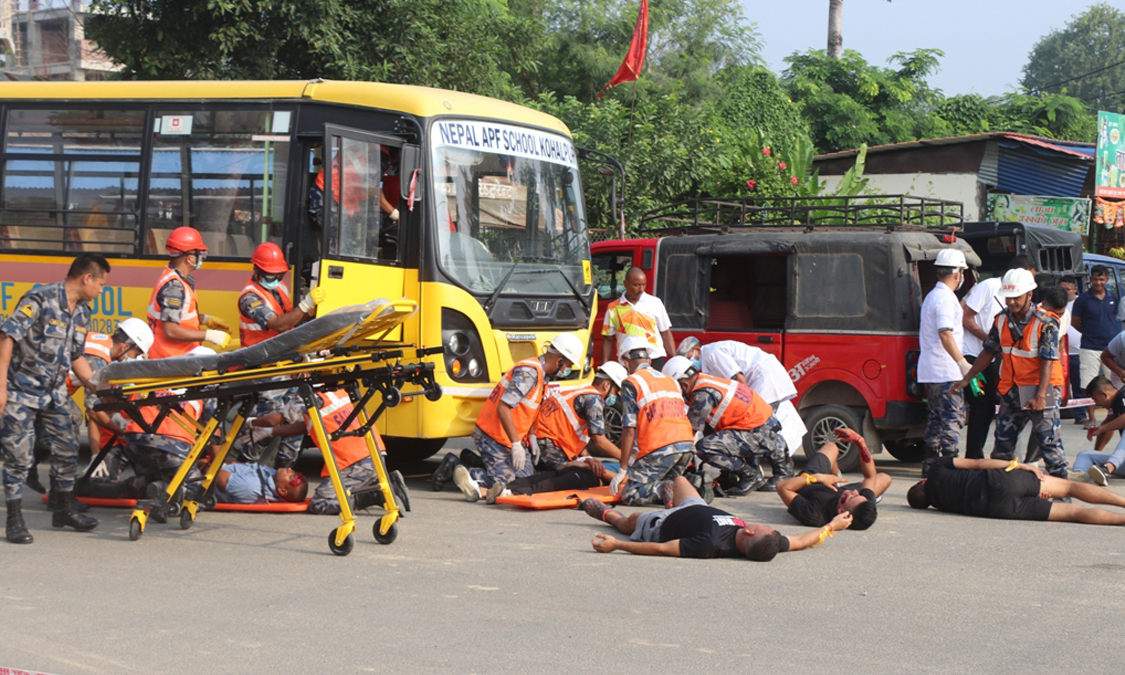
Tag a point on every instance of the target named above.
point(223, 172)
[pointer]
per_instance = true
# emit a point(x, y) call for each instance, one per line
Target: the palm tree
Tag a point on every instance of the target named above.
point(835, 24)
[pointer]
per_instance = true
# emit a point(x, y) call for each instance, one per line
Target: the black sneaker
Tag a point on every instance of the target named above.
point(444, 472)
point(746, 484)
point(471, 459)
point(770, 485)
point(398, 487)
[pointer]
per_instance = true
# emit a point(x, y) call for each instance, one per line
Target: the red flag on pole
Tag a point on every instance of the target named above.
point(631, 67)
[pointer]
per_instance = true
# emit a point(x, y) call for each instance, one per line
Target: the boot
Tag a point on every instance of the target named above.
point(444, 472)
point(928, 459)
point(53, 501)
point(366, 498)
point(66, 514)
point(17, 531)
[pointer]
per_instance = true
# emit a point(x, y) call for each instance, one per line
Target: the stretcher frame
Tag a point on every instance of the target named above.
point(356, 362)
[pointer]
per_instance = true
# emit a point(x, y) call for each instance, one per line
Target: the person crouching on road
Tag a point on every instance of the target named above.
point(940, 362)
point(1031, 376)
point(507, 417)
point(40, 342)
point(744, 429)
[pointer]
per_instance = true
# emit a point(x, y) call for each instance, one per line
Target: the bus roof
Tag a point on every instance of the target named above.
point(420, 101)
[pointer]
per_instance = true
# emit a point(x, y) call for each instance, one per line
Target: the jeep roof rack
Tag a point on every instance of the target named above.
point(740, 214)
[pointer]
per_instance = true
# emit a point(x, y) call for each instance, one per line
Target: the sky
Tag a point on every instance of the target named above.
point(986, 42)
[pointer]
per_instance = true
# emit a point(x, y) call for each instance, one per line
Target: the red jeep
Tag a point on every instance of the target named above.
point(833, 289)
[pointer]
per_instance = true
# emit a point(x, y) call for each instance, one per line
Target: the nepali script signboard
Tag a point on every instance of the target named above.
point(1062, 213)
point(1109, 164)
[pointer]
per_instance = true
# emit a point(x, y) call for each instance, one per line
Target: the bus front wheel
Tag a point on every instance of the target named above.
point(410, 450)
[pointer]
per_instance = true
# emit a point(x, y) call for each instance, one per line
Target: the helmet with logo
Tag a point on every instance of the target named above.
point(951, 257)
point(614, 371)
point(184, 240)
point(569, 346)
point(269, 258)
point(679, 368)
point(1016, 282)
point(138, 333)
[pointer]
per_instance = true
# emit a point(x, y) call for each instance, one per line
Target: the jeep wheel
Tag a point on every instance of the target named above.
point(911, 450)
point(612, 424)
point(822, 423)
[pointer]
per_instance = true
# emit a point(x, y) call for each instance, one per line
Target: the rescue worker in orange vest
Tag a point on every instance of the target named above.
point(743, 425)
point(567, 423)
point(353, 460)
point(1031, 378)
point(173, 312)
point(655, 418)
point(266, 309)
point(508, 414)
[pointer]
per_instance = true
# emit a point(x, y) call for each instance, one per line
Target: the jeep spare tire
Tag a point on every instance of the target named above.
point(822, 422)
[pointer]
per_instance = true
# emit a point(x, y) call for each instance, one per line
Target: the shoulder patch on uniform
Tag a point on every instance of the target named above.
point(255, 303)
point(174, 303)
point(27, 309)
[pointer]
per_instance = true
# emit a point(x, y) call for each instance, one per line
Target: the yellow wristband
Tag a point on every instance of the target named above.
point(810, 479)
point(824, 534)
point(1013, 465)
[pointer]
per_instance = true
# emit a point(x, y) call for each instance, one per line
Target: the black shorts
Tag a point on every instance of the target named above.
point(818, 463)
point(1014, 495)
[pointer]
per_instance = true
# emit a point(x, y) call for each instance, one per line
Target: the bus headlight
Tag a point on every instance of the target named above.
point(464, 349)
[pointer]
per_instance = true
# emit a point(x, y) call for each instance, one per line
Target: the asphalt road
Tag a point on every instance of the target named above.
point(469, 588)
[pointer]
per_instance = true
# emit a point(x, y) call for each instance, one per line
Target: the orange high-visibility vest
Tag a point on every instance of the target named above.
point(250, 332)
point(350, 449)
point(97, 344)
point(661, 415)
point(559, 421)
point(523, 413)
point(1020, 366)
point(740, 408)
point(169, 428)
point(162, 345)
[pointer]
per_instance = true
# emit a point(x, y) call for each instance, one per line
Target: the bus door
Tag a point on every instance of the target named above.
point(363, 259)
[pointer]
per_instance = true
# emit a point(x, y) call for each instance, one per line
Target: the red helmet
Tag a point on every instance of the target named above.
point(183, 240)
point(269, 258)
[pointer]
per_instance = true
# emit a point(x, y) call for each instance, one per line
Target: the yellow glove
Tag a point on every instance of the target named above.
point(217, 338)
point(313, 298)
point(216, 323)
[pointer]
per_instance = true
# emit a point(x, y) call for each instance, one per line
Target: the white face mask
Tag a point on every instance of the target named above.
point(961, 281)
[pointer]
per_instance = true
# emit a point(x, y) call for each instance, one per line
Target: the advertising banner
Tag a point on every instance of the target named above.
point(1109, 163)
point(1062, 213)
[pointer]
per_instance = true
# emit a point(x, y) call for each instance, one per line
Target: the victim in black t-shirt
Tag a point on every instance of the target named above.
point(703, 531)
point(957, 490)
point(816, 505)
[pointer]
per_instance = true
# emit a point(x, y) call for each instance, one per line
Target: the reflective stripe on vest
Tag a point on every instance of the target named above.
point(163, 346)
point(1020, 366)
point(740, 408)
point(334, 410)
point(661, 415)
point(169, 428)
point(250, 332)
point(523, 413)
point(97, 344)
point(559, 422)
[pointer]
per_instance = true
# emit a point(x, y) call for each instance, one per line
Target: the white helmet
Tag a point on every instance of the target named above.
point(687, 345)
point(951, 257)
point(569, 346)
point(137, 331)
point(678, 368)
point(633, 343)
point(1016, 283)
point(614, 371)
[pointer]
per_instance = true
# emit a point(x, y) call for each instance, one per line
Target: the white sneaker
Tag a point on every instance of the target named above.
point(1098, 475)
point(464, 480)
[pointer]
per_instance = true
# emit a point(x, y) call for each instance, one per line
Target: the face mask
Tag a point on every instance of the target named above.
point(199, 258)
point(269, 285)
point(961, 282)
point(564, 373)
point(697, 364)
point(611, 399)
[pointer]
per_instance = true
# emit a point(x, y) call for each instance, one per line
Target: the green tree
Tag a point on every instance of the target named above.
point(1086, 59)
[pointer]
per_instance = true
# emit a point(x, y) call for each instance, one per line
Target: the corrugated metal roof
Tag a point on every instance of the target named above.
point(1033, 169)
point(1065, 147)
point(989, 171)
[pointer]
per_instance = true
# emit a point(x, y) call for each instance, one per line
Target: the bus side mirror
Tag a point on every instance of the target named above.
point(409, 163)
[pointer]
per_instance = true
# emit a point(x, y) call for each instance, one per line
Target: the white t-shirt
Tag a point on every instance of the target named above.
point(1075, 341)
point(653, 321)
point(763, 372)
point(940, 310)
point(982, 300)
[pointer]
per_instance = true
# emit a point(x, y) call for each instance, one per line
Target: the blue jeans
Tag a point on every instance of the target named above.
point(1088, 458)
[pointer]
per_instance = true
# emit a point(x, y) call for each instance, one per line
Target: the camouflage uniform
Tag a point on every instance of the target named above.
point(284, 401)
point(589, 407)
point(47, 338)
point(156, 457)
point(324, 500)
point(738, 450)
point(1012, 416)
point(170, 299)
point(645, 474)
point(115, 459)
point(497, 456)
point(946, 416)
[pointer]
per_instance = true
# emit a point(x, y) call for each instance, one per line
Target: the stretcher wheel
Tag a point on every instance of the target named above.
point(186, 520)
point(135, 530)
point(387, 538)
point(392, 396)
point(210, 501)
point(434, 393)
point(344, 548)
point(173, 509)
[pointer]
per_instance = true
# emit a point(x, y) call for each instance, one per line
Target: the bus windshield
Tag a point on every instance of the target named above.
point(509, 209)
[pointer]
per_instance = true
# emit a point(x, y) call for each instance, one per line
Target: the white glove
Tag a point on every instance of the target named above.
point(101, 471)
point(394, 215)
point(965, 366)
point(216, 337)
point(617, 482)
point(119, 421)
point(519, 456)
point(314, 297)
point(259, 434)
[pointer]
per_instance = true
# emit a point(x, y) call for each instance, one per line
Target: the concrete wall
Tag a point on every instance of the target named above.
point(958, 187)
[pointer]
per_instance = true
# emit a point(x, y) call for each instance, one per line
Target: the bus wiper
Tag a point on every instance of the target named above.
point(500, 287)
point(574, 290)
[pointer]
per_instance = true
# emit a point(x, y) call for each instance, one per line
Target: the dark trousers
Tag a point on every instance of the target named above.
point(981, 411)
point(570, 478)
point(1076, 386)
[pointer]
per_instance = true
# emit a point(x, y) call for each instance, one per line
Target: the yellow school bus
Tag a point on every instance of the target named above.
point(490, 238)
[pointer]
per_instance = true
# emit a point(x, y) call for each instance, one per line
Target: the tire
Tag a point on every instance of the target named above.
point(402, 451)
point(613, 423)
point(135, 530)
point(821, 421)
point(910, 451)
point(344, 548)
point(387, 538)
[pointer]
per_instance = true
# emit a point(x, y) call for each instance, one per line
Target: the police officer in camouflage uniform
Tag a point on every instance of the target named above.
point(744, 428)
point(940, 362)
point(1031, 380)
point(43, 339)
